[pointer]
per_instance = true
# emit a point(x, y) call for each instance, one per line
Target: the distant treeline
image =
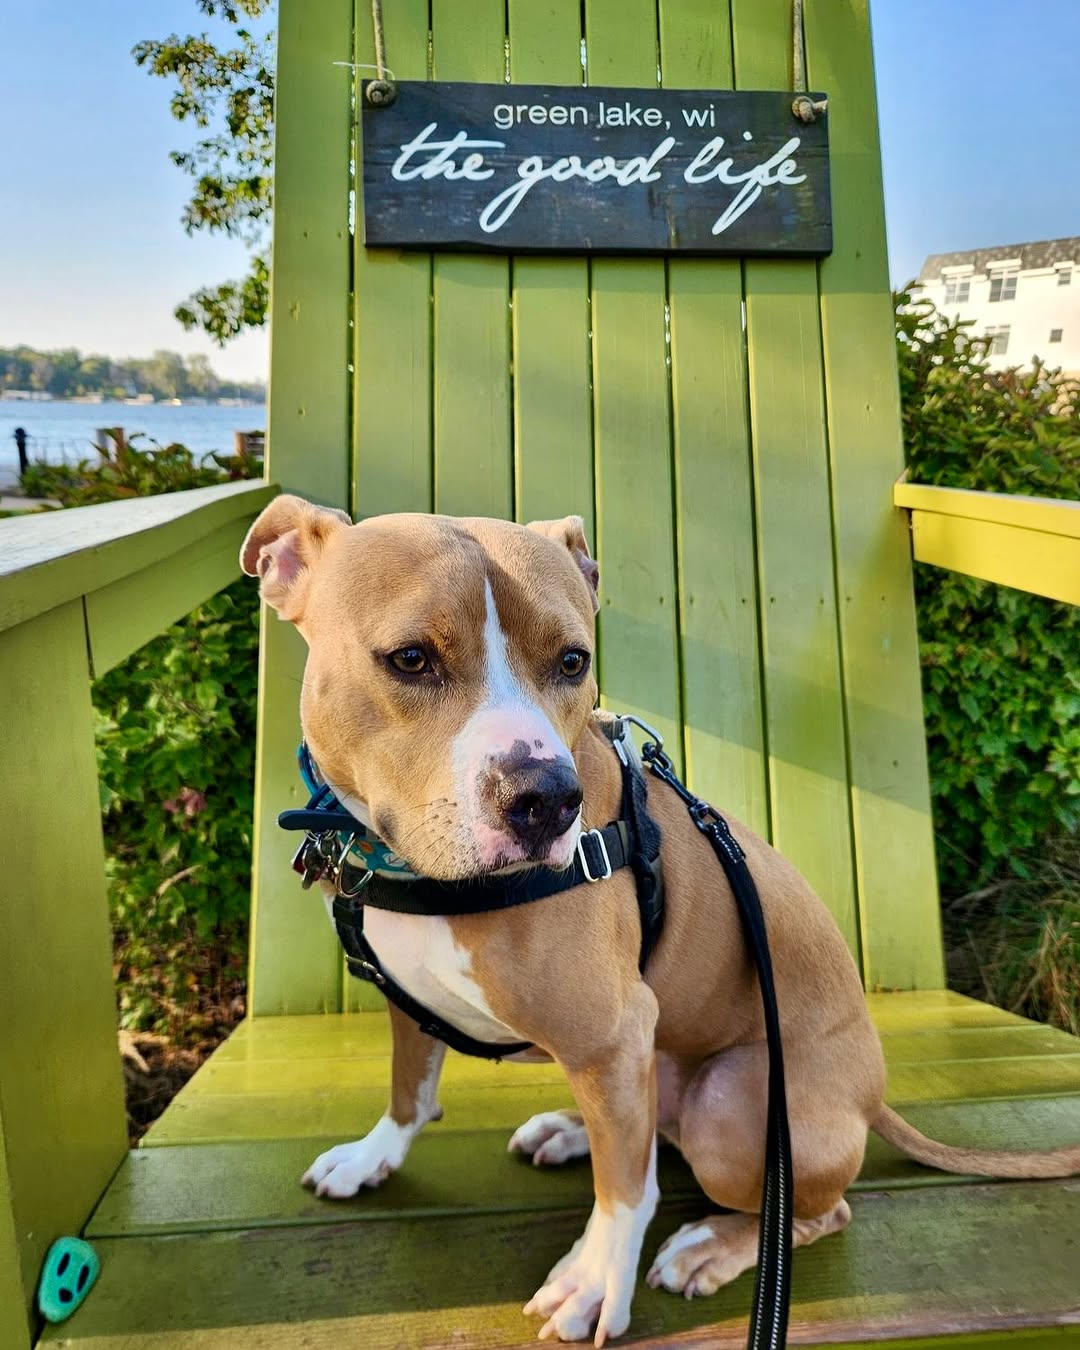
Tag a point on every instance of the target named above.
point(67, 373)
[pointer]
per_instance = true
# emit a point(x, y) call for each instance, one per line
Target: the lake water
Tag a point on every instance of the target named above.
point(61, 432)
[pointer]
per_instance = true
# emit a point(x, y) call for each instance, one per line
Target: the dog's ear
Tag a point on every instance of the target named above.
point(570, 532)
point(285, 540)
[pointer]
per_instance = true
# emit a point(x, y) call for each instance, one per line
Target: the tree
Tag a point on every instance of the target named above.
point(227, 93)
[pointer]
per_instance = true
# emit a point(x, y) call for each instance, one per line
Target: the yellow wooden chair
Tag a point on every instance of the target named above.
point(730, 431)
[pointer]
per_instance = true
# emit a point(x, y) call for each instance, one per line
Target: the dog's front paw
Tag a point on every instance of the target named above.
point(343, 1170)
point(551, 1137)
point(594, 1282)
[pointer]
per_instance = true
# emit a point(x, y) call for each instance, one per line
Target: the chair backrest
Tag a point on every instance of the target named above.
point(729, 429)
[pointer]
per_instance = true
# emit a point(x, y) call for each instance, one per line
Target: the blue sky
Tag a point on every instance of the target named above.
point(978, 114)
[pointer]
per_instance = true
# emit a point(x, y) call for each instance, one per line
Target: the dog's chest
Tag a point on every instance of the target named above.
point(419, 952)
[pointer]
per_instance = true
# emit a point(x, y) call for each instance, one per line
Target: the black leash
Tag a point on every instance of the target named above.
point(772, 1284)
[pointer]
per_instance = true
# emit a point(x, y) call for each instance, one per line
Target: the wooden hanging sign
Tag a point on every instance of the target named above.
point(539, 168)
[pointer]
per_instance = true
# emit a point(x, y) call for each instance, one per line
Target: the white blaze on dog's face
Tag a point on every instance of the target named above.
point(448, 675)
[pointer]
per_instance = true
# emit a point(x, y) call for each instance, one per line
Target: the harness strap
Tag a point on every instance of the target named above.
point(599, 854)
point(348, 914)
point(632, 841)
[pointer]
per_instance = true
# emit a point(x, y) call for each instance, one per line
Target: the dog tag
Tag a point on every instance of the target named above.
point(308, 861)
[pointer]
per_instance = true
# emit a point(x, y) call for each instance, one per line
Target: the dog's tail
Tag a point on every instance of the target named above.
point(980, 1162)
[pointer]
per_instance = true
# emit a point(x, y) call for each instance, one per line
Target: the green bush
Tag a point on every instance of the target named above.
point(175, 729)
point(176, 759)
point(1001, 668)
point(1001, 678)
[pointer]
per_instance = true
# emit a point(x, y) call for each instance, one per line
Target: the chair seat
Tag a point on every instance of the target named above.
point(207, 1240)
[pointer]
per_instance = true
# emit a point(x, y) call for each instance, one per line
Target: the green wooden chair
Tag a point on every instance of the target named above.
point(730, 431)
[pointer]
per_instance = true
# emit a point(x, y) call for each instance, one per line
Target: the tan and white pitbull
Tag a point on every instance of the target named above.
point(449, 702)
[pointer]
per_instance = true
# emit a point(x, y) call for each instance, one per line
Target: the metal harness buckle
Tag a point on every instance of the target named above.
point(593, 834)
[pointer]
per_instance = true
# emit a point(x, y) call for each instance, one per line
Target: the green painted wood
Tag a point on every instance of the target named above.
point(718, 615)
point(1027, 1041)
point(392, 380)
point(472, 428)
point(894, 846)
point(60, 1089)
point(918, 1010)
point(553, 451)
point(804, 719)
point(131, 611)
point(15, 1328)
point(294, 963)
point(215, 1186)
point(304, 1077)
point(638, 646)
point(392, 457)
point(345, 1113)
point(1004, 1259)
point(48, 559)
point(965, 1080)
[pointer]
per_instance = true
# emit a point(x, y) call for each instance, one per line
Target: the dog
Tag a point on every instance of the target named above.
point(449, 701)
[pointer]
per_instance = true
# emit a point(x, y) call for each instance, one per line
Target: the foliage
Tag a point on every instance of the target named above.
point(175, 738)
point(68, 373)
point(176, 747)
point(1001, 676)
point(1017, 941)
point(225, 90)
point(128, 470)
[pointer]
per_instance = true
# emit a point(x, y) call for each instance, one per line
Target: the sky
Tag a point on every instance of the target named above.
point(978, 115)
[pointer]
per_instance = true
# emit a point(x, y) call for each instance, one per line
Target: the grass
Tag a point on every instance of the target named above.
point(1016, 941)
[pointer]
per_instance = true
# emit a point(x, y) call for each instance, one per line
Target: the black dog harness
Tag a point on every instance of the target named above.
point(339, 848)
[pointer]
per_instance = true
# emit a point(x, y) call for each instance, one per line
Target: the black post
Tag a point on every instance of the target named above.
point(20, 444)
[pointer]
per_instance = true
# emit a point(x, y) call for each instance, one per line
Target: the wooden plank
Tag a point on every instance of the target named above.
point(1003, 1259)
point(392, 464)
point(210, 1187)
point(893, 840)
point(15, 1324)
point(48, 559)
point(1041, 564)
point(718, 609)
point(638, 634)
point(804, 715)
point(294, 962)
point(1047, 515)
point(343, 1112)
point(553, 452)
point(473, 451)
point(968, 1080)
point(131, 611)
point(61, 1101)
point(1027, 1041)
point(917, 1009)
point(327, 1075)
point(393, 468)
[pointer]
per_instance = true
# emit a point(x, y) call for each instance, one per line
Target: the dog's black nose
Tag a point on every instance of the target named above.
point(539, 801)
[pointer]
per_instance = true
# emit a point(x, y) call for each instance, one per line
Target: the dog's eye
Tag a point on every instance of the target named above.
point(410, 660)
point(574, 662)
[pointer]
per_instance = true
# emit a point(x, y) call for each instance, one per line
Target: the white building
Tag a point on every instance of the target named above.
point(1024, 297)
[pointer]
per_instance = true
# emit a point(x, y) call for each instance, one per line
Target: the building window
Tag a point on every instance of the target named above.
point(1055, 334)
point(1064, 276)
point(1003, 286)
point(957, 290)
point(998, 340)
